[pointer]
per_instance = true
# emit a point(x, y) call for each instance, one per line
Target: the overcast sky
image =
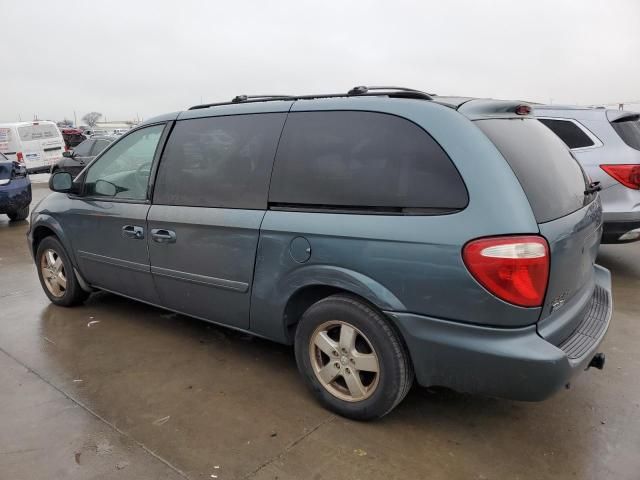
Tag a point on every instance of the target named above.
point(149, 57)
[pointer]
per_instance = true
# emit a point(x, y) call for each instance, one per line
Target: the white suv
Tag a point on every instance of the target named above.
point(607, 144)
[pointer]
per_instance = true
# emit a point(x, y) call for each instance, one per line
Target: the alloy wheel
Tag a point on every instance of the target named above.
point(344, 361)
point(53, 273)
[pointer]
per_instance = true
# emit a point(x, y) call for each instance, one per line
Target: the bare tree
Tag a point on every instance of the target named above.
point(91, 118)
point(65, 123)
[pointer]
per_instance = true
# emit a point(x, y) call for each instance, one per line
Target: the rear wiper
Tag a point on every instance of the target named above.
point(593, 188)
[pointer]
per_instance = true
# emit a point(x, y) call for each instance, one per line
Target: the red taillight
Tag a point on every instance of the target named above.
point(523, 110)
point(515, 269)
point(20, 157)
point(628, 175)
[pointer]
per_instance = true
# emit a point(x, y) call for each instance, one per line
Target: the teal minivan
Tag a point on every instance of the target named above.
point(387, 234)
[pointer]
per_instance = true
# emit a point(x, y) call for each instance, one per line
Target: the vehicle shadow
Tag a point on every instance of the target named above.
point(137, 326)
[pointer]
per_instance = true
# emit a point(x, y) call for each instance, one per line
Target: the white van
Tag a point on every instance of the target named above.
point(37, 145)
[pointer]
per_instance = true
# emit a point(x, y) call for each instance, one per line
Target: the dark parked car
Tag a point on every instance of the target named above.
point(381, 232)
point(15, 189)
point(75, 160)
point(72, 137)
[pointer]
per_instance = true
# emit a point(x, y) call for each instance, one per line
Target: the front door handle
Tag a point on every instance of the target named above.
point(133, 231)
point(160, 235)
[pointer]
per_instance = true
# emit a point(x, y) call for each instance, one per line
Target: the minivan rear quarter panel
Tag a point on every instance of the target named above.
point(414, 261)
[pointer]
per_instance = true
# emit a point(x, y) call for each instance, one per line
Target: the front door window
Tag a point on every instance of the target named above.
point(123, 171)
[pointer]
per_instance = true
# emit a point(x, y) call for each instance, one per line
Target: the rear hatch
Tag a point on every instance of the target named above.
point(42, 142)
point(568, 214)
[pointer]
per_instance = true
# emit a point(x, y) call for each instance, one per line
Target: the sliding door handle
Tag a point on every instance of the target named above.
point(160, 235)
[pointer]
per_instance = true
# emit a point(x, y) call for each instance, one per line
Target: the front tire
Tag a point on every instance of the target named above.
point(18, 215)
point(351, 358)
point(56, 274)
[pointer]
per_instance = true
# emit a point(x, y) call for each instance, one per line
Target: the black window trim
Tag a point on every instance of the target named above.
point(597, 143)
point(363, 210)
point(156, 157)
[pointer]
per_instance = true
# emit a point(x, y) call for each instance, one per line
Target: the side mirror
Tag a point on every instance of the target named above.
point(61, 182)
point(105, 189)
point(67, 154)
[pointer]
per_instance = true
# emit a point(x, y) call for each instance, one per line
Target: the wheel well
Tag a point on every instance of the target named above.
point(39, 234)
point(301, 300)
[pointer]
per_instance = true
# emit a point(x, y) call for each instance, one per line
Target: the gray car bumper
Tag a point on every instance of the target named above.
point(510, 363)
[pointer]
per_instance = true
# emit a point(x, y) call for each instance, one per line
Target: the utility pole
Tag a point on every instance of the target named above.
point(75, 119)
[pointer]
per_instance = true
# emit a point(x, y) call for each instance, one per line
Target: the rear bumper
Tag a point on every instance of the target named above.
point(614, 230)
point(620, 212)
point(510, 363)
point(15, 196)
point(39, 169)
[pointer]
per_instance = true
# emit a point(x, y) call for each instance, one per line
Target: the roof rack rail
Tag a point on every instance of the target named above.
point(244, 98)
point(360, 91)
point(403, 92)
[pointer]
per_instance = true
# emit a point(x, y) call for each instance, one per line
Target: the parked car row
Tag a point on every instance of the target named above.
point(386, 233)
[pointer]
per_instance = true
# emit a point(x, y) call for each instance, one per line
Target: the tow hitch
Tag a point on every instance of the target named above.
point(597, 361)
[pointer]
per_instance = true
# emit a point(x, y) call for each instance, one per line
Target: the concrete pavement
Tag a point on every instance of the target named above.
point(118, 389)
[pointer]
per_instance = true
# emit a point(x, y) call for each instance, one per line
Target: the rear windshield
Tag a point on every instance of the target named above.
point(550, 177)
point(38, 132)
point(629, 130)
point(5, 169)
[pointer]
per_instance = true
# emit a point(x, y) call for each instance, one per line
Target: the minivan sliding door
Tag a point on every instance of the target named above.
point(209, 201)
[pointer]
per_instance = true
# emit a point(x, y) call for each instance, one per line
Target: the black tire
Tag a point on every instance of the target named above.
point(73, 294)
point(395, 372)
point(18, 215)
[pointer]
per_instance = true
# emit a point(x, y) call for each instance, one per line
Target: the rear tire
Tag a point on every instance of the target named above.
point(351, 358)
point(18, 215)
point(56, 274)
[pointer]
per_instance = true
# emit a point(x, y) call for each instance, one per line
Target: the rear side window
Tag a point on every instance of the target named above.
point(221, 162)
point(569, 132)
point(550, 177)
point(629, 130)
point(363, 160)
point(38, 132)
